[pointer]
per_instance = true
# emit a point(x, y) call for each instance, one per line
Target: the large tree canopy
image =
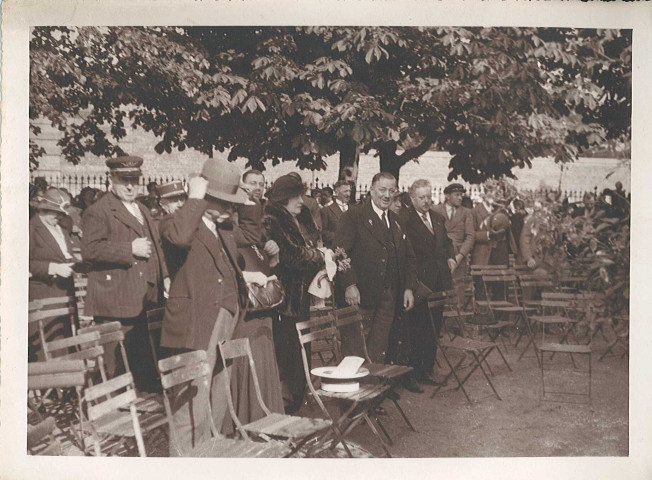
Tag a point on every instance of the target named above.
point(493, 97)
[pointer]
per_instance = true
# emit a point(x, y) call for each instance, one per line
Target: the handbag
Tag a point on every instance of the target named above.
point(421, 292)
point(261, 298)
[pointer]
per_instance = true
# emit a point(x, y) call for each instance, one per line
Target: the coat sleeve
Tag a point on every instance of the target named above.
point(96, 246)
point(469, 234)
point(293, 256)
point(345, 237)
point(180, 229)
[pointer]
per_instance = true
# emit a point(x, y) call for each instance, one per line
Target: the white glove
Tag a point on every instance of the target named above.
point(63, 270)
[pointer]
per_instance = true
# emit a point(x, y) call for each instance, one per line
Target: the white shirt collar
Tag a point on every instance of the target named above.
point(210, 224)
point(328, 204)
point(487, 206)
point(57, 232)
point(379, 212)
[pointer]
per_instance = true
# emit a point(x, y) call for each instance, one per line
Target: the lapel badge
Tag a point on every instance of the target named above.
point(108, 277)
point(370, 222)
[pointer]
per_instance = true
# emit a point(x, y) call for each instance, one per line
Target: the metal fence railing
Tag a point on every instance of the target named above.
point(74, 183)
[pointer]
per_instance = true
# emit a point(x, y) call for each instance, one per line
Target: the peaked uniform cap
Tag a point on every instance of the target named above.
point(125, 166)
point(172, 189)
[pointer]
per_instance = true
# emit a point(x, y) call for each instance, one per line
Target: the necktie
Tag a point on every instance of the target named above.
point(135, 211)
point(384, 219)
point(426, 220)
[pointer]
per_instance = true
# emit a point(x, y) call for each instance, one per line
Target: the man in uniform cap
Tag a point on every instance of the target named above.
point(207, 296)
point(128, 270)
point(458, 221)
point(171, 196)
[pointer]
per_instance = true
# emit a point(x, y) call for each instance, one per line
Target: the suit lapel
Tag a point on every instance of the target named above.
point(121, 213)
point(211, 242)
point(49, 240)
point(373, 223)
point(417, 222)
point(337, 211)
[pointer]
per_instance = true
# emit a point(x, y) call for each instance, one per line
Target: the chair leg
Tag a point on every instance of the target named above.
point(400, 410)
point(382, 428)
point(377, 434)
point(485, 373)
point(453, 372)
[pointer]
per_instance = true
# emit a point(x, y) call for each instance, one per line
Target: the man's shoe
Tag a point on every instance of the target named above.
point(411, 385)
point(426, 379)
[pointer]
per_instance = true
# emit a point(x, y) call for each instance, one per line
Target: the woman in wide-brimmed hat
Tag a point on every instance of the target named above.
point(50, 262)
point(290, 224)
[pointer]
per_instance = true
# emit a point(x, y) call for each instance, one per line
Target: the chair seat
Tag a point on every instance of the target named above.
point(387, 371)
point(498, 325)
point(466, 344)
point(564, 348)
point(287, 426)
point(548, 319)
point(511, 308)
point(230, 448)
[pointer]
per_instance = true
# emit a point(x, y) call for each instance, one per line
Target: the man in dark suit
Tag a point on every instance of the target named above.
point(207, 296)
point(128, 271)
point(330, 215)
point(459, 227)
point(382, 276)
point(435, 259)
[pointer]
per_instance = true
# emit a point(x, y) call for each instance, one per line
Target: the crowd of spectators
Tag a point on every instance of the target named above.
point(195, 252)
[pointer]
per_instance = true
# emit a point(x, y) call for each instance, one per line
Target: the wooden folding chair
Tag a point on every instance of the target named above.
point(389, 375)
point(476, 350)
point(112, 415)
point(298, 430)
point(50, 375)
point(358, 405)
point(321, 350)
point(45, 310)
point(111, 334)
point(177, 372)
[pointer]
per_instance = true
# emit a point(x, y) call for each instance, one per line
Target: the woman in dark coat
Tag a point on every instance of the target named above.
point(50, 264)
point(289, 223)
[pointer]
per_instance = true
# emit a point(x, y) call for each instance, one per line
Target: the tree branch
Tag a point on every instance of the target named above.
point(412, 153)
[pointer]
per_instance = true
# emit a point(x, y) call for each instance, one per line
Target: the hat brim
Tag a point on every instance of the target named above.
point(279, 196)
point(128, 173)
point(40, 206)
point(174, 194)
point(238, 197)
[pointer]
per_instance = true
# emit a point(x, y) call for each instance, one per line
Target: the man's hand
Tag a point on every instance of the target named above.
point(531, 263)
point(63, 270)
point(408, 300)
point(141, 247)
point(452, 264)
point(197, 187)
point(352, 296)
point(166, 287)
point(271, 248)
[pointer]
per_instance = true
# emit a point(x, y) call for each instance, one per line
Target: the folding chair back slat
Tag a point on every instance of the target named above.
point(56, 380)
point(86, 354)
point(60, 366)
point(102, 328)
point(235, 348)
point(324, 318)
point(178, 361)
point(346, 316)
point(75, 341)
point(121, 400)
point(185, 374)
point(323, 334)
point(48, 314)
point(106, 388)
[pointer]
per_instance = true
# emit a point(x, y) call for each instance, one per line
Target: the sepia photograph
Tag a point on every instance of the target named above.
point(330, 240)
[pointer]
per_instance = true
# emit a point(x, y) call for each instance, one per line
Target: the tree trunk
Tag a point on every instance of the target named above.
point(349, 163)
point(390, 162)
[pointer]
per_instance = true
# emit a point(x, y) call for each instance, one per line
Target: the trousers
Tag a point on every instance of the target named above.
point(377, 323)
point(194, 403)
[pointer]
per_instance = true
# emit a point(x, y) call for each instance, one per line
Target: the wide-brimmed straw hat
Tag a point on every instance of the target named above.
point(53, 199)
